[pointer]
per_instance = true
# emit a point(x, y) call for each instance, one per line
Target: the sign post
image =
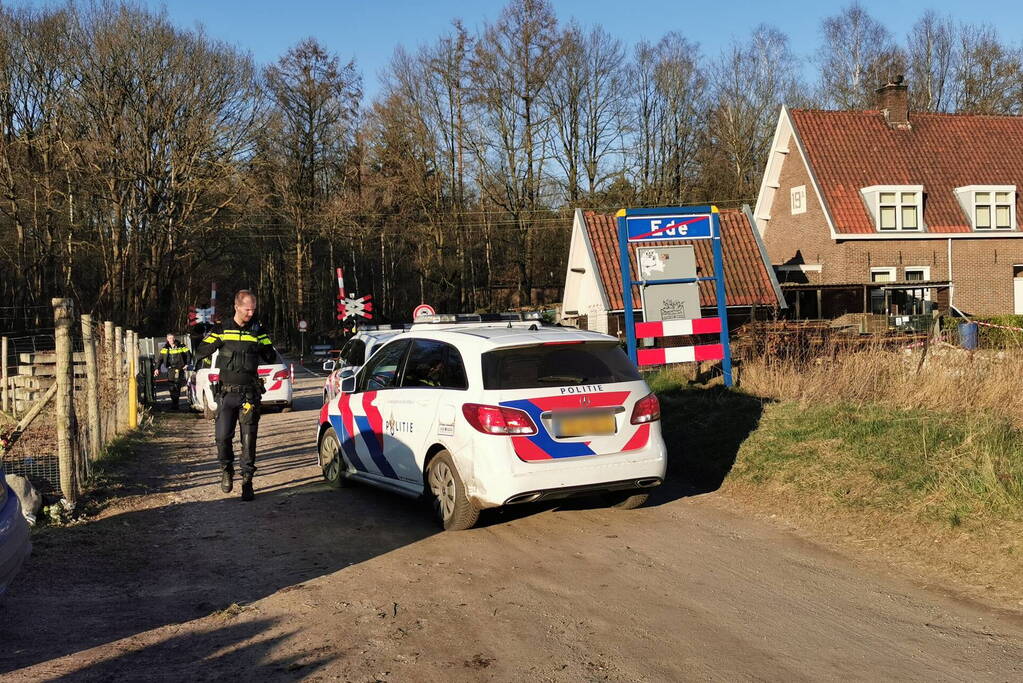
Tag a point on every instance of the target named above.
point(302, 327)
point(666, 225)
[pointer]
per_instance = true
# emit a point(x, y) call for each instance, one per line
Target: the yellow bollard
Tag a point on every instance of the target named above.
point(133, 396)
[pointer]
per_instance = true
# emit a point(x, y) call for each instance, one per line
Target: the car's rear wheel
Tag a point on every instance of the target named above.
point(334, 467)
point(625, 500)
point(453, 508)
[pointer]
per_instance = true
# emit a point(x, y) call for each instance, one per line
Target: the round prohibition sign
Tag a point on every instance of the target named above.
point(422, 310)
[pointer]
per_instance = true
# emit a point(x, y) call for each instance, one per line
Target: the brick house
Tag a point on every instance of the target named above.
point(593, 278)
point(888, 211)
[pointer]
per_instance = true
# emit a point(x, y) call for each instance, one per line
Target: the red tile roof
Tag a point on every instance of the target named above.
point(747, 281)
point(849, 150)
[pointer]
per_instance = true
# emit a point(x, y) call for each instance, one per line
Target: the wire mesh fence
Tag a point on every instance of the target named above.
point(67, 392)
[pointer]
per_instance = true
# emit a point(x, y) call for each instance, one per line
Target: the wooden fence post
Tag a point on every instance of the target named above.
point(92, 386)
point(108, 348)
point(64, 405)
point(108, 369)
point(6, 401)
point(117, 374)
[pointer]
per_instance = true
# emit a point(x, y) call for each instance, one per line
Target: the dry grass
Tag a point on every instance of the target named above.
point(946, 380)
point(916, 458)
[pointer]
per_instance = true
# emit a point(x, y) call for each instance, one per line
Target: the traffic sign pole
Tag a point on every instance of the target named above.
point(719, 287)
point(626, 263)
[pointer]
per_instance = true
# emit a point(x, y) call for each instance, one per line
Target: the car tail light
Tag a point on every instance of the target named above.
point(214, 377)
point(648, 409)
point(281, 374)
point(498, 420)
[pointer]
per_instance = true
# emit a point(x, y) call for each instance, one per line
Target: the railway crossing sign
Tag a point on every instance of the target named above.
point(637, 226)
point(347, 306)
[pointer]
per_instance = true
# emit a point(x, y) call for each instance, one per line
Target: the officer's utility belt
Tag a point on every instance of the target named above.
point(241, 389)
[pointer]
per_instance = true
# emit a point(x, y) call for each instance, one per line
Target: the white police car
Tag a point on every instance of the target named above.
point(480, 417)
point(278, 379)
point(352, 357)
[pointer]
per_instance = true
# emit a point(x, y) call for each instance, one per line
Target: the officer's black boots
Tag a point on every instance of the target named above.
point(247, 493)
point(226, 481)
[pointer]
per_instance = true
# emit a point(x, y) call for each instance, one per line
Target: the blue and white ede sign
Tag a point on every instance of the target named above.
point(665, 225)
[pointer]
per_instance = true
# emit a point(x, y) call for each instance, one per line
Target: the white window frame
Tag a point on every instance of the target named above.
point(926, 270)
point(967, 197)
point(891, 271)
point(797, 199)
point(872, 198)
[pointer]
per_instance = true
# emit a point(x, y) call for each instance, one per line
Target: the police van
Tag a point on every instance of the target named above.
point(479, 416)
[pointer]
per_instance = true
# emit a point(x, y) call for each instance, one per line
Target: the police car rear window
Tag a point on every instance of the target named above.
point(557, 365)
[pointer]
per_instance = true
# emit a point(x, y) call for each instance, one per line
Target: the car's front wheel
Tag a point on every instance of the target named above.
point(453, 508)
point(333, 463)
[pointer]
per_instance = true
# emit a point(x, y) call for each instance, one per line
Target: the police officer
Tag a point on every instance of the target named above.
point(243, 347)
point(175, 356)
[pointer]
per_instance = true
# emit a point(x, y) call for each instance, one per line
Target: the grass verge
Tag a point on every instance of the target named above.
point(939, 491)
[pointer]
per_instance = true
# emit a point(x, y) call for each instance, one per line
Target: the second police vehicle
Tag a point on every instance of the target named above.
point(480, 416)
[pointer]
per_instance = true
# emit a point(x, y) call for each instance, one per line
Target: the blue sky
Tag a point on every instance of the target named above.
point(369, 30)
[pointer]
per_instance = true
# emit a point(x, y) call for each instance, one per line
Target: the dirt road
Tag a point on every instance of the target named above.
point(175, 581)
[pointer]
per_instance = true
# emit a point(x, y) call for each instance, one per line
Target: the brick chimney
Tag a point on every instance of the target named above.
point(893, 100)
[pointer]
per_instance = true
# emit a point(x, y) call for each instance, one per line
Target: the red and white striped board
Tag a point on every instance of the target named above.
point(679, 328)
point(680, 354)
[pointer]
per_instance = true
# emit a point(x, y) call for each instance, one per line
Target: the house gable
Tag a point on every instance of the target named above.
point(796, 237)
point(584, 290)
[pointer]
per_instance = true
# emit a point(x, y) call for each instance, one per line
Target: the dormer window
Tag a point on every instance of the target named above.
point(990, 207)
point(895, 208)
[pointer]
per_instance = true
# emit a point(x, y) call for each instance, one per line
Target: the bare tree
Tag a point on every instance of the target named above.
point(604, 109)
point(670, 118)
point(988, 74)
point(167, 115)
point(35, 89)
point(315, 101)
point(856, 55)
point(513, 63)
point(750, 81)
point(932, 57)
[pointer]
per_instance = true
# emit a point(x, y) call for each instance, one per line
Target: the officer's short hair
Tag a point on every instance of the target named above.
point(244, 294)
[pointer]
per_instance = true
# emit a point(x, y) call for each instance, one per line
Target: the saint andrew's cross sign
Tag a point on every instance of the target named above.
point(667, 224)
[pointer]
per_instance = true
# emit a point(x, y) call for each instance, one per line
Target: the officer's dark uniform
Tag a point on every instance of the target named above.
point(242, 350)
point(176, 358)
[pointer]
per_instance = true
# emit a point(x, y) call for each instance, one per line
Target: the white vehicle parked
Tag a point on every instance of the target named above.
point(352, 357)
point(480, 417)
point(278, 379)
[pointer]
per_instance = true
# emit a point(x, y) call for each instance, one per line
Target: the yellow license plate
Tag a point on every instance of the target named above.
point(585, 425)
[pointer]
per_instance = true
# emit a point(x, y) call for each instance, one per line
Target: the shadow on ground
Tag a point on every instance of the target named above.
point(703, 430)
point(186, 552)
point(210, 655)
